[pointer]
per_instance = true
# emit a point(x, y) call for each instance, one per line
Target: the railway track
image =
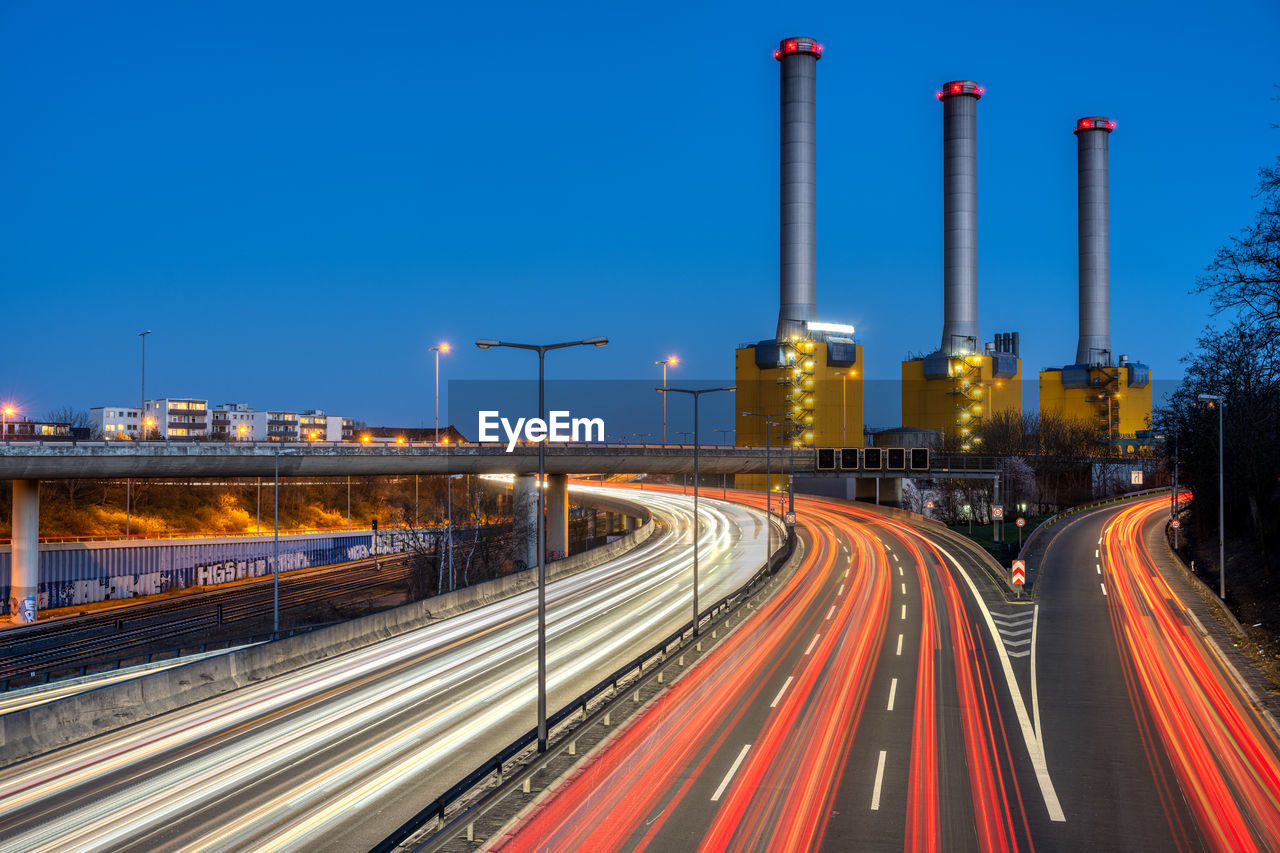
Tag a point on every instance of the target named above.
point(101, 640)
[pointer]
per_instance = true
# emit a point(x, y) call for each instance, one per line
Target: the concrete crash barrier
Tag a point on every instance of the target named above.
point(42, 728)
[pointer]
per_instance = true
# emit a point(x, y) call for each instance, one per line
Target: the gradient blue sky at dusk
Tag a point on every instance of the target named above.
point(300, 198)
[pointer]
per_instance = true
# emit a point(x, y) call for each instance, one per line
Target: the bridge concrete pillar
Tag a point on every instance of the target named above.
point(24, 586)
point(864, 489)
point(628, 524)
point(610, 523)
point(591, 524)
point(891, 492)
point(558, 514)
point(524, 515)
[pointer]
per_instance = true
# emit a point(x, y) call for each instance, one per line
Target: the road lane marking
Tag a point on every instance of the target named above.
point(893, 689)
point(778, 698)
point(1035, 696)
point(715, 798)
point(1104, 588)
point(895, 558)
point(1035, 747)
point(840, 591)
point(899, 571)
point(1099, 567)
point(875, 793)
point(1095, 552)
point(904, 612)
point(832, 610)
point(812, 643)
point(899, 652)
point(904, 589)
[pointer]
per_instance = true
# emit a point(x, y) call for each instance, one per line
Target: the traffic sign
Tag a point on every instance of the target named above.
point(1135, 478)
point(1175, 524)
point(1019, 572)
point(928, 505)
point(790, 518)
point(1022, 522)
point(997, 512)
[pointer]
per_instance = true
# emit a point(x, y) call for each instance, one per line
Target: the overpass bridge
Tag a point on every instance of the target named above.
point(27, 463)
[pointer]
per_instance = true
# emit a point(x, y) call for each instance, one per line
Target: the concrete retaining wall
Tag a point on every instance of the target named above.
point(36, 730)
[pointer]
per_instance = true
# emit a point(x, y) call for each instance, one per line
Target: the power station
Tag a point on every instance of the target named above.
point(804, 386)
point(954, 388)
point(1114, 396)
point(808, 376)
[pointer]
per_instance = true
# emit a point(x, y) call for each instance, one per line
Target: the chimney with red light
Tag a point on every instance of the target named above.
point(798, 58)
point(960, 216)
point(1094, 347)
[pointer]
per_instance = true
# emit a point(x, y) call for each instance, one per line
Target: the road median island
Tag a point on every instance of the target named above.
point(42, 728)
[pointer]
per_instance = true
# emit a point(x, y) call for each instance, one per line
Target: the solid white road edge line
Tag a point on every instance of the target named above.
point(875, 793)
point(1035, 749)
point(728, 777)
point(1035, 696)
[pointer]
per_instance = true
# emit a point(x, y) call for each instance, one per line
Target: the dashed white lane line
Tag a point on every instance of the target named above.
point(1095, 552)
point(904, 612)
point(840, 591)
point(728, 777)
point(875, 793)
point(893, 691)
point(812, 643)
point(831, 611)
point(778, 698)
point(895, 558)
point(899, 571)
point(899, 652)
point(904, 589)
point(1104, 588)
point(1099, 567)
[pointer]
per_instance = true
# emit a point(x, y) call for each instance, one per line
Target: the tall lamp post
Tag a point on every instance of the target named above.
point(671, 361)
point(769, 420)
point(275, 562)
point(697, 396)
point(142, 410)
point(437, 349)
point(542, 350)
point(4, 421)
point(724, 478)
point(1217, 400)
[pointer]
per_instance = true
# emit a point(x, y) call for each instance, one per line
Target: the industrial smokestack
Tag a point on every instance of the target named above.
point(960, 215)
point(798, 240)
point(1094, 347)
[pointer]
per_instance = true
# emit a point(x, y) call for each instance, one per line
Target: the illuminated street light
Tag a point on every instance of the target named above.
point(672, 361)
point(5, 414)
point(696, 394)
point(437, 349)
point(1219, 402)
point(542, 350)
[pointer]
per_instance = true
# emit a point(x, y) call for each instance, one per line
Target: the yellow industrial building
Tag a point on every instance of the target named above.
point(954, 393)
point(1116, 399)
point(814, 382)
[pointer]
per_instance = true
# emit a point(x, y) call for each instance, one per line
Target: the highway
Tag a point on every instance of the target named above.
point(336, 755)
point(1161, 748)
point(886, 700)
point(870, 704)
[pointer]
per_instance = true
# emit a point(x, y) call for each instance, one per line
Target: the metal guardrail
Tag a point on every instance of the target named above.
point(655, 657)
point(1075, 510)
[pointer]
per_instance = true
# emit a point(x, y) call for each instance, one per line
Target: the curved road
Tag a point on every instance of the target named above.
point(337, 755)
point(886, 700)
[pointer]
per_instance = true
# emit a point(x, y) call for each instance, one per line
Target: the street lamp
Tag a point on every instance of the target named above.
point(1218, 401)
point(768, 489)
point(672, 361)
point(4, 421)
point(275, 562)
point(439, 348)
point(542, 350)
point(697, 395)
point(142, 412)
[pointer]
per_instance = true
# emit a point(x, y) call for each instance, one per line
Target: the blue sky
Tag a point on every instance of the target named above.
point(300, 198)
